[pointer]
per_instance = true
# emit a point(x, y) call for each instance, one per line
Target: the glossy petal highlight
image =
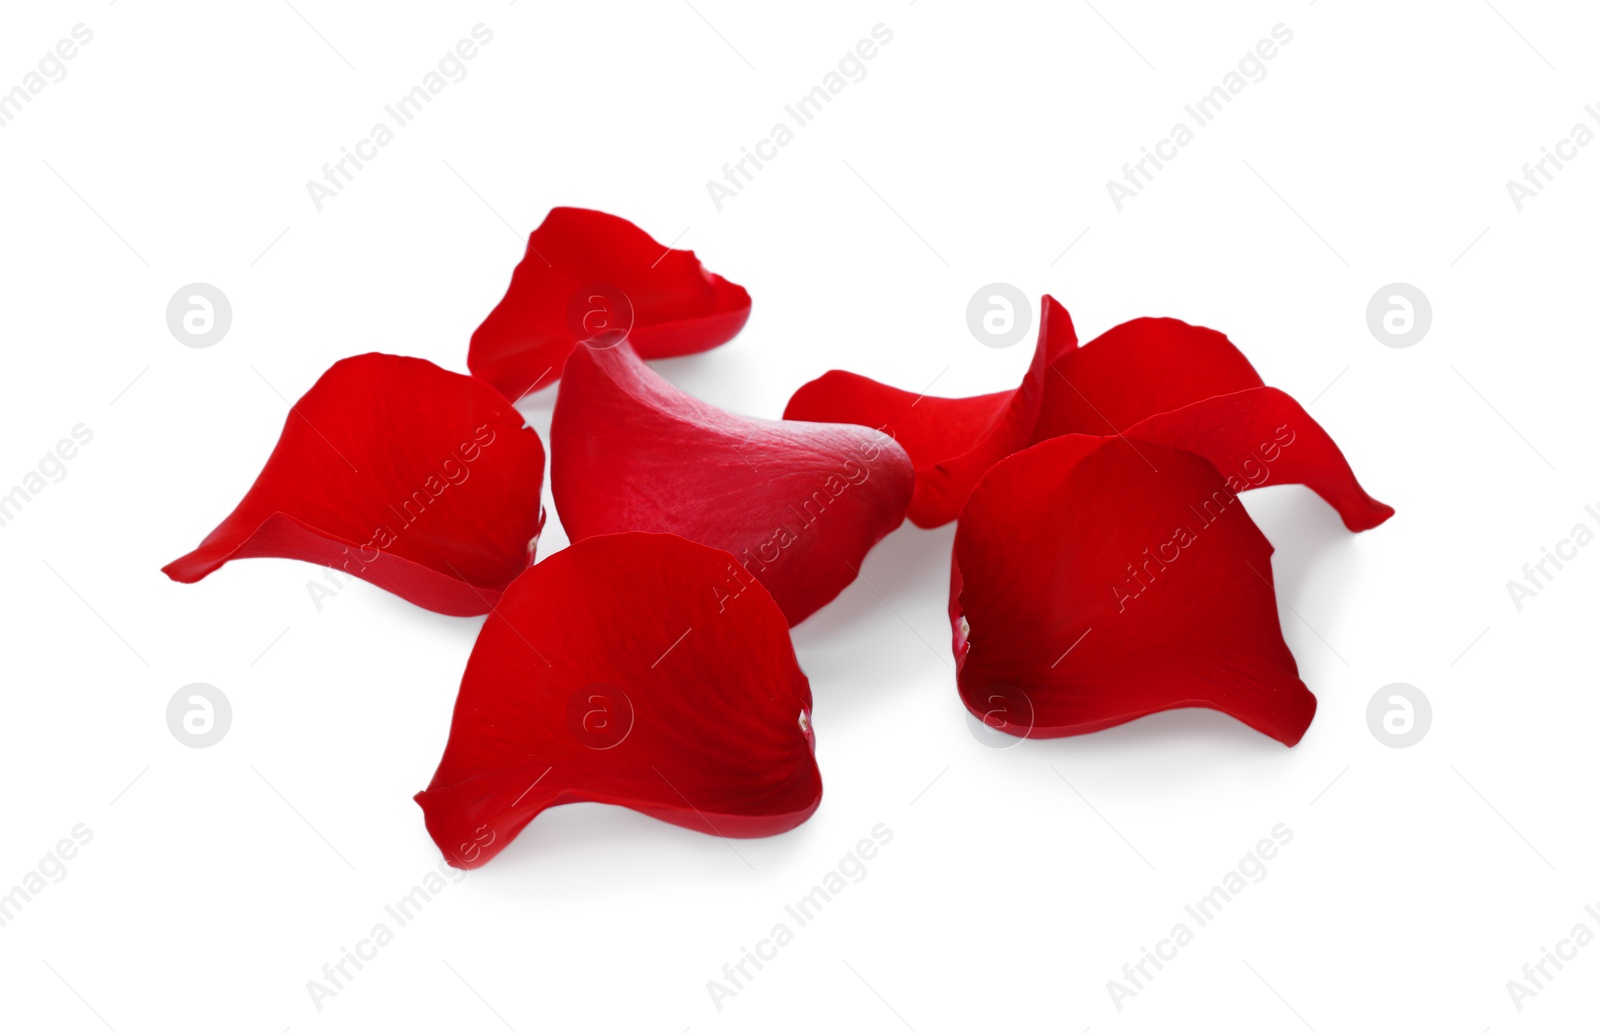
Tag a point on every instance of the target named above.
point(799, 504)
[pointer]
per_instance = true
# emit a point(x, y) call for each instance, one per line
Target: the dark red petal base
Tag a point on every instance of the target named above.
point(612, 673)
point(1097, 580)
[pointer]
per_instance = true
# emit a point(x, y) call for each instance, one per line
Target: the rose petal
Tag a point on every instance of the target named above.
point(587, 274)
point(1135, 370)
point(611, 673)
point(952, 441)
point(421, 481)
point(1261, 436)
point(1089, 589)
point(799, 504)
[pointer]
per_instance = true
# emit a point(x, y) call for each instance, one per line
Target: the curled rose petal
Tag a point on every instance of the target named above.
point(951, 441)
point(798, 504)
point(589, 275)
point(421, 481)
point(1097, 580)
point(1135, 370)
point(1261, 436)
point(612, 673)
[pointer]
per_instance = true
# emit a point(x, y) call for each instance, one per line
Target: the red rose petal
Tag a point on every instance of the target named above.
point(799, 504)
point(1089, 590)
point(1261, 436)
point(611, 673)
point(1135, 370)
point(589, 274)
point(421, 481)
point(952, 441)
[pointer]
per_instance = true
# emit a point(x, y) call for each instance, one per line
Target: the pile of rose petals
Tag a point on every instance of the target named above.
point(1103, 567)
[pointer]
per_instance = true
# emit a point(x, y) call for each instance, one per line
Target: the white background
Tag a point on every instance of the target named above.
point(219, 881)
